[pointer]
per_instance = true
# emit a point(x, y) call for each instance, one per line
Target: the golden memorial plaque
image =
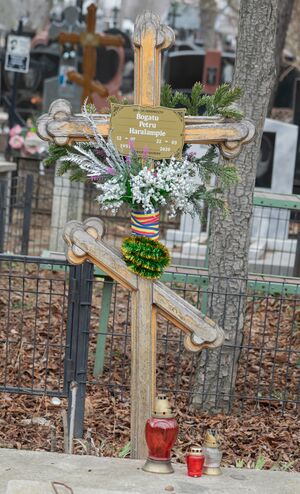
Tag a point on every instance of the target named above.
point(159, 129)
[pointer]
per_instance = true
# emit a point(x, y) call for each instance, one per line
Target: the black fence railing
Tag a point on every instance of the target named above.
point(44, 328)
point(268, 357)
point(50, 311)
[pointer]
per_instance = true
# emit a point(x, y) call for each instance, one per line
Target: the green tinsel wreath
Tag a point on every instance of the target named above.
point(146, 257)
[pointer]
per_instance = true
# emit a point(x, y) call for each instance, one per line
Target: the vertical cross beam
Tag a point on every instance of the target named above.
point(149, 39)
point(143, 364)
point(90, 54)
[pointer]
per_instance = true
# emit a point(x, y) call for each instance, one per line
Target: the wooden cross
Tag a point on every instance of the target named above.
point(89, 40)
point(85, 239)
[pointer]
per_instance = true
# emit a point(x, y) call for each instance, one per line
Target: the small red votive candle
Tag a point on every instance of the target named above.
point(195, 462)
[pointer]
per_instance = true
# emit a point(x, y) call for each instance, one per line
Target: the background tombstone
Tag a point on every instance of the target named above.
point(53, 90)
point(69, 24)
point(270, 242)
point(183, 68)
point(59, 86)
point(68, 201)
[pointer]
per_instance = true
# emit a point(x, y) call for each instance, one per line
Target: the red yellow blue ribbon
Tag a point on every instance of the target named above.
point(145, 224)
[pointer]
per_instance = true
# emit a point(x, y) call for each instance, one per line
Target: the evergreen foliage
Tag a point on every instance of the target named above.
point(219, 103)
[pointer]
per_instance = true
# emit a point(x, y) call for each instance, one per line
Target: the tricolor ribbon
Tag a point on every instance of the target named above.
point(145, 224)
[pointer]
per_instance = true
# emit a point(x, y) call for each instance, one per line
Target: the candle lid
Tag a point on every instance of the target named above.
point(196, 451)
point(162, 407)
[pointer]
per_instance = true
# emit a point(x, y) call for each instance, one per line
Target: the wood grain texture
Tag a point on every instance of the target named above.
point(143, 364)
point(150, 38)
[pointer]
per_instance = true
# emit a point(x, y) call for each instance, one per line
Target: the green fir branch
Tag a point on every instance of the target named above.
point(210, 105)
point(167, 97)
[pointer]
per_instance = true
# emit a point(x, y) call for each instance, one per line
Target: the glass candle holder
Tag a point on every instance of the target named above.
point(161, 432)
point(195, 462)
point(212, 453)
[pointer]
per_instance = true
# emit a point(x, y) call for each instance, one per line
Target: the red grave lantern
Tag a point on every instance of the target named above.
point(161, 433)
point(195, 461)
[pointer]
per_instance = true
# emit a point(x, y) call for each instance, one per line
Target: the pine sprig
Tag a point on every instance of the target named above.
point(220, 102)
point(166, 97)
point(56, 153)
point(211, 105)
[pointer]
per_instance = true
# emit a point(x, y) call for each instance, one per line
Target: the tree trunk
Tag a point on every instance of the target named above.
point(230, 236)
point(208, 14)
point(285, 8)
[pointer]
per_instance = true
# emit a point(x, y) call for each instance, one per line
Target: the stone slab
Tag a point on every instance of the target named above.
point(89, 474)
point(36, 487)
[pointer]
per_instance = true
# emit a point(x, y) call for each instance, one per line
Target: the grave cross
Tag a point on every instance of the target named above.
point(89, 40)
point(85, 240)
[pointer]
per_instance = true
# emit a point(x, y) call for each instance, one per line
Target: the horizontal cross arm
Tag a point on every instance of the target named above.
point(62, 127)
point(109, 40)
point(230, 136)
point(73, 38)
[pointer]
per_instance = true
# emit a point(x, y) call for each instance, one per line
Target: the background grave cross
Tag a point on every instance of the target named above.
point(89, 40)
point(84, 240)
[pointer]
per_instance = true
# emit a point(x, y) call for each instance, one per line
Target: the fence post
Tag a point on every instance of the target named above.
point(76, 359)
point(103, 325)
point(2, 214)
point(27, 214)
point(296, 271)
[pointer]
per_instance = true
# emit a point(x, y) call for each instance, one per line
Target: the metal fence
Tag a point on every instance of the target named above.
point(275, 237)
point(61, 323)
point(44, 327)
point(269, 355)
